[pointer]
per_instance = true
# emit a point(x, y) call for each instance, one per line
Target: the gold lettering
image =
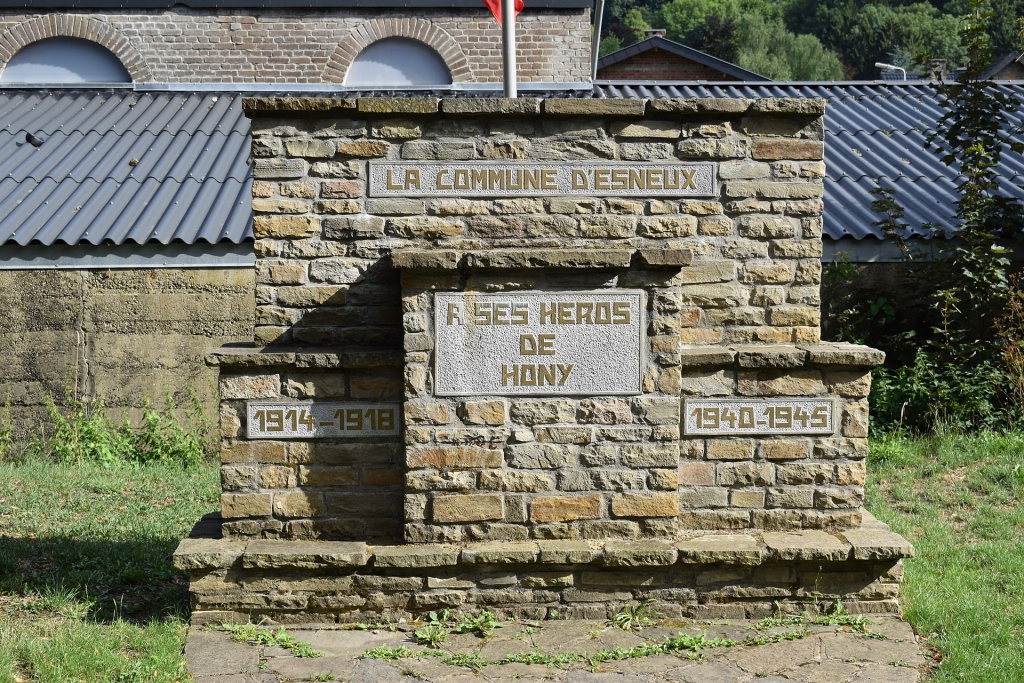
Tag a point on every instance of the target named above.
point(501, 314)
point(619, 176)
point(454, 314)
point(478, 178)
point(621, 313)
point(527, 345)
point(603, 313)
point(601, 179)
point(674, 174)
point(412, 179)
point(579, 179)
point(545, 374)
point(520, 314)
point(637, 179)
point(516, 179)
point(688, 178)
point(528, 375)
point(565, 370)
point(547, 179)
point(441, 185)
point(392, 185)
point(507, 375)
point(482, 313)
point(654, 179)
point(531, 179)
point(546, 345)
point(585, 313)
point(494, 179)
point(565, 313)
point(461, 179)
point(546, 314)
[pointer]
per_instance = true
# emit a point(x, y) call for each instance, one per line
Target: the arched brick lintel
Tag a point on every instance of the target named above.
point(75, 26)
point(371, 31)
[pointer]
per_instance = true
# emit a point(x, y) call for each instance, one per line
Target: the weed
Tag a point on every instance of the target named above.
point(389, 653)
point(434, 632)
point(635, 617)
point(482, 624)
point(779, 619)
point(6, 431)
point(259, 635)
point(840, 617)
point(320, 677)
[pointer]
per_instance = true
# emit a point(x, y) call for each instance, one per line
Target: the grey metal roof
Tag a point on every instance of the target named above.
point(874, 135)
point(118, 167)
point(657, 42)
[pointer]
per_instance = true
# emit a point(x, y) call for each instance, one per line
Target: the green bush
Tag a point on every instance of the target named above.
point(82, 431)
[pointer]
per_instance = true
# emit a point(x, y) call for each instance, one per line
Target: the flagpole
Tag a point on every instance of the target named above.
point(508, 46)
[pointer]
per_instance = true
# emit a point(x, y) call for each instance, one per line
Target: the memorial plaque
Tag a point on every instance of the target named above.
point(321, 420)
point(536, 344)
point(515, 179)
point(758, 417)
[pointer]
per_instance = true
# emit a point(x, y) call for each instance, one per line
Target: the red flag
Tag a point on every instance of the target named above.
point(495, 7)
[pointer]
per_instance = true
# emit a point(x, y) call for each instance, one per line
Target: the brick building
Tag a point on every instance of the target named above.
point(660, 59)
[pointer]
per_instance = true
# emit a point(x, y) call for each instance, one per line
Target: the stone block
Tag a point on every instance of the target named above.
point(235, 505)
point(787, 148)
point(658, 227)
point(453, 457)
point(667, 130)
point(500, 553)
point(565, 508)
point(541, 456)
point(278, 477)
point(784, 449)
point(745, 473)
point(206, 553)
point(721, 548)
point(569, 552)
point(851, 474)
point(544, 411)
point(285, 227)
point(645, 504)
point(747, 498)
point(791, 497)
point(593, 107)
point(877, 544)
point(467, 508)
point(804, 473)
point(316, 149)
point(810, 546)
point(491, 105)
point(513, 480)
point(855, 419)
point(730, 449)
point(638, 554)
point(304, 554)
point(854, 384)
point(489, 412)
point(650, 455)
point(844, 354)
point(299, 504)
point(278, 169)
point(709, 496)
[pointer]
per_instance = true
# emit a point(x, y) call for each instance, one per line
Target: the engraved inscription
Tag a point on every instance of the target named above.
point(532, 343)
point(725, 417)
point(321, 420)
point(502, 179)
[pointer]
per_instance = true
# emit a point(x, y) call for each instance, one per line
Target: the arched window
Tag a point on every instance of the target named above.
point(64, 60)
point(397, 62)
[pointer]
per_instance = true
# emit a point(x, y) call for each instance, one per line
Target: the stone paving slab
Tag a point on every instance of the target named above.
point(825, 654)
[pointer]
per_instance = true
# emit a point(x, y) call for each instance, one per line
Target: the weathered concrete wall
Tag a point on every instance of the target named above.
point(123, 335)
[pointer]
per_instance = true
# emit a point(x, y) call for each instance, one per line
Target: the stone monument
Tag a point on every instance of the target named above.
point(542, 357)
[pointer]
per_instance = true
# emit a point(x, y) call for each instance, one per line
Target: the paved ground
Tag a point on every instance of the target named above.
point(825, 654)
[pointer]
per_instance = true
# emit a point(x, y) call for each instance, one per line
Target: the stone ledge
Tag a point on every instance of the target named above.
point(871, 542)
point(507, 259)
point(524, 106)
point(251, 356)
point(268, 106)
point(782, 356)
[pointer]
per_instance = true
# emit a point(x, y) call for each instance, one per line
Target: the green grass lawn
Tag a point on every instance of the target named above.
point(87, 590)
point(959, 501)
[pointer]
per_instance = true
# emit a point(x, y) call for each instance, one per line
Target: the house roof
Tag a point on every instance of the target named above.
point(874, 136)
point(657, 42)
point(121, 166)
point(1000, 64)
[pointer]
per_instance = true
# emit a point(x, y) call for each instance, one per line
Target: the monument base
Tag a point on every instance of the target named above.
point(705, 576)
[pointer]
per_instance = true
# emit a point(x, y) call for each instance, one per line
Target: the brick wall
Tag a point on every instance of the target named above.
point(658, 64)
point(285, 46)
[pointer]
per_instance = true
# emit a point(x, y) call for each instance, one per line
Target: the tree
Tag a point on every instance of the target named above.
point(767, 48)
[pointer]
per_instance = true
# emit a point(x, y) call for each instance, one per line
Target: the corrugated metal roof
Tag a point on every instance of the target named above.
point(874, 135)
point(118, 167)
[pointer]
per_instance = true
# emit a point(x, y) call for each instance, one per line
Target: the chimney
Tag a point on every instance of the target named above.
point(936, 69)
point(654, 33)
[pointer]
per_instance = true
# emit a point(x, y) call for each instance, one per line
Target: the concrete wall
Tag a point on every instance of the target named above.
point(123, 335)
point(308, 46)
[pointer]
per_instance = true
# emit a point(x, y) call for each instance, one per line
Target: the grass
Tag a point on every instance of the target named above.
point(87, 590)
point(958, 499)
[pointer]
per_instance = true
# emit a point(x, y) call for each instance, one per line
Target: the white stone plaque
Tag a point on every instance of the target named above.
point(538, 343)
point(321, 420)
point(521, 179)
point(758, 417)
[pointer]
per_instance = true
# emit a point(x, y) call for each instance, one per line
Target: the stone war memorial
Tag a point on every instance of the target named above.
point(546, 358)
